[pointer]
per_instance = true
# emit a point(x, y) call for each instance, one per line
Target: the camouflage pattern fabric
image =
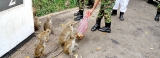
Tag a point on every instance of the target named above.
point(90, 1)
point(81, 4)
point(158, 7)
point(105, 10)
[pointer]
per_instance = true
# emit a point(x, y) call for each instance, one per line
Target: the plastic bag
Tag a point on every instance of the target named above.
point(82, 27)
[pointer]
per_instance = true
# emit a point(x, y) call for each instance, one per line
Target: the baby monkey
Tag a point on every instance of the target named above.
point(48, 24)
point(70, 45)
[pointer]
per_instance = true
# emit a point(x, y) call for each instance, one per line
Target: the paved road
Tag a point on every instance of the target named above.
point(138, 36)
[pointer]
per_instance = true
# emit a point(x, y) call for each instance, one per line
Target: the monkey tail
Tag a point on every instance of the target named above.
point(57, 54)
point(57, 46)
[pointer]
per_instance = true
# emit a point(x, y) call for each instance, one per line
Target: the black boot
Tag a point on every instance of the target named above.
point(97, 25)
point(76, 14)
point(80, 16)
point(106, 28)
point(121, 16)
point(157, 16)
point(114, 12)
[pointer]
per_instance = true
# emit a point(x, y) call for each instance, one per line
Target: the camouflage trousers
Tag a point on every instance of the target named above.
point(90, 1)
point(158, 7)
point(105, 10)
point(80, 4)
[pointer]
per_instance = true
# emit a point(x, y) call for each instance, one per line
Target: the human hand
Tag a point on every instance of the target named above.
point(89, 13)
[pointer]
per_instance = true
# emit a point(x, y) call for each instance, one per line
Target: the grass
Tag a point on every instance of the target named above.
point(44, 7)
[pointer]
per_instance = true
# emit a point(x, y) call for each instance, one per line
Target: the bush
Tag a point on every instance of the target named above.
point(44, 7)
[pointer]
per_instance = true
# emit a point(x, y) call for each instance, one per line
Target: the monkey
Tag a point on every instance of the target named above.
point(67, 3)
point(34, 11)
point(37, 23)
point(44, 35)
point(39, 49)
point(67, 31)
point(48, 24)
point(69, 46)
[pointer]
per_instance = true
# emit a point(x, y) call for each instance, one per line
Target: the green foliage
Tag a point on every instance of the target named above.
point(44, 7)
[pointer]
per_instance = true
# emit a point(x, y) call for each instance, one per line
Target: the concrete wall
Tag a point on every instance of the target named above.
point(16, 24)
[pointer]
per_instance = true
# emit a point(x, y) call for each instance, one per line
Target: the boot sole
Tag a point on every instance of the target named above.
point(114, 15)
point(121, 19)
point(95, 29)
point(106, 31)
point(75, 15)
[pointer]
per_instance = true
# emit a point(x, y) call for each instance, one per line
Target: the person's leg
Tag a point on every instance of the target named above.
point(80, 12)
point(158, 13)
point(99, 18)
point(107, 17)
point(123, 8)
point(115, 7)
point(90, 3)
point(76, 14)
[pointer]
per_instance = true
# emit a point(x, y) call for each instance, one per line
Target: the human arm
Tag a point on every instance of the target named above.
point(95, 5)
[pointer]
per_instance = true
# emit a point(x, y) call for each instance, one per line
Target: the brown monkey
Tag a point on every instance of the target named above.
point(66, 32)
point(48, 24)
point(67, 3)
point(39, 49)
point(44, 35)
point(37, 23)
point(70, 45)
point(34, 11)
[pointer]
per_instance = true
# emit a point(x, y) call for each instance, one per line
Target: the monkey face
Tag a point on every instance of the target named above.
point(35, 17)
point(73, 23)
point(48, 31)
point(49, 17)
